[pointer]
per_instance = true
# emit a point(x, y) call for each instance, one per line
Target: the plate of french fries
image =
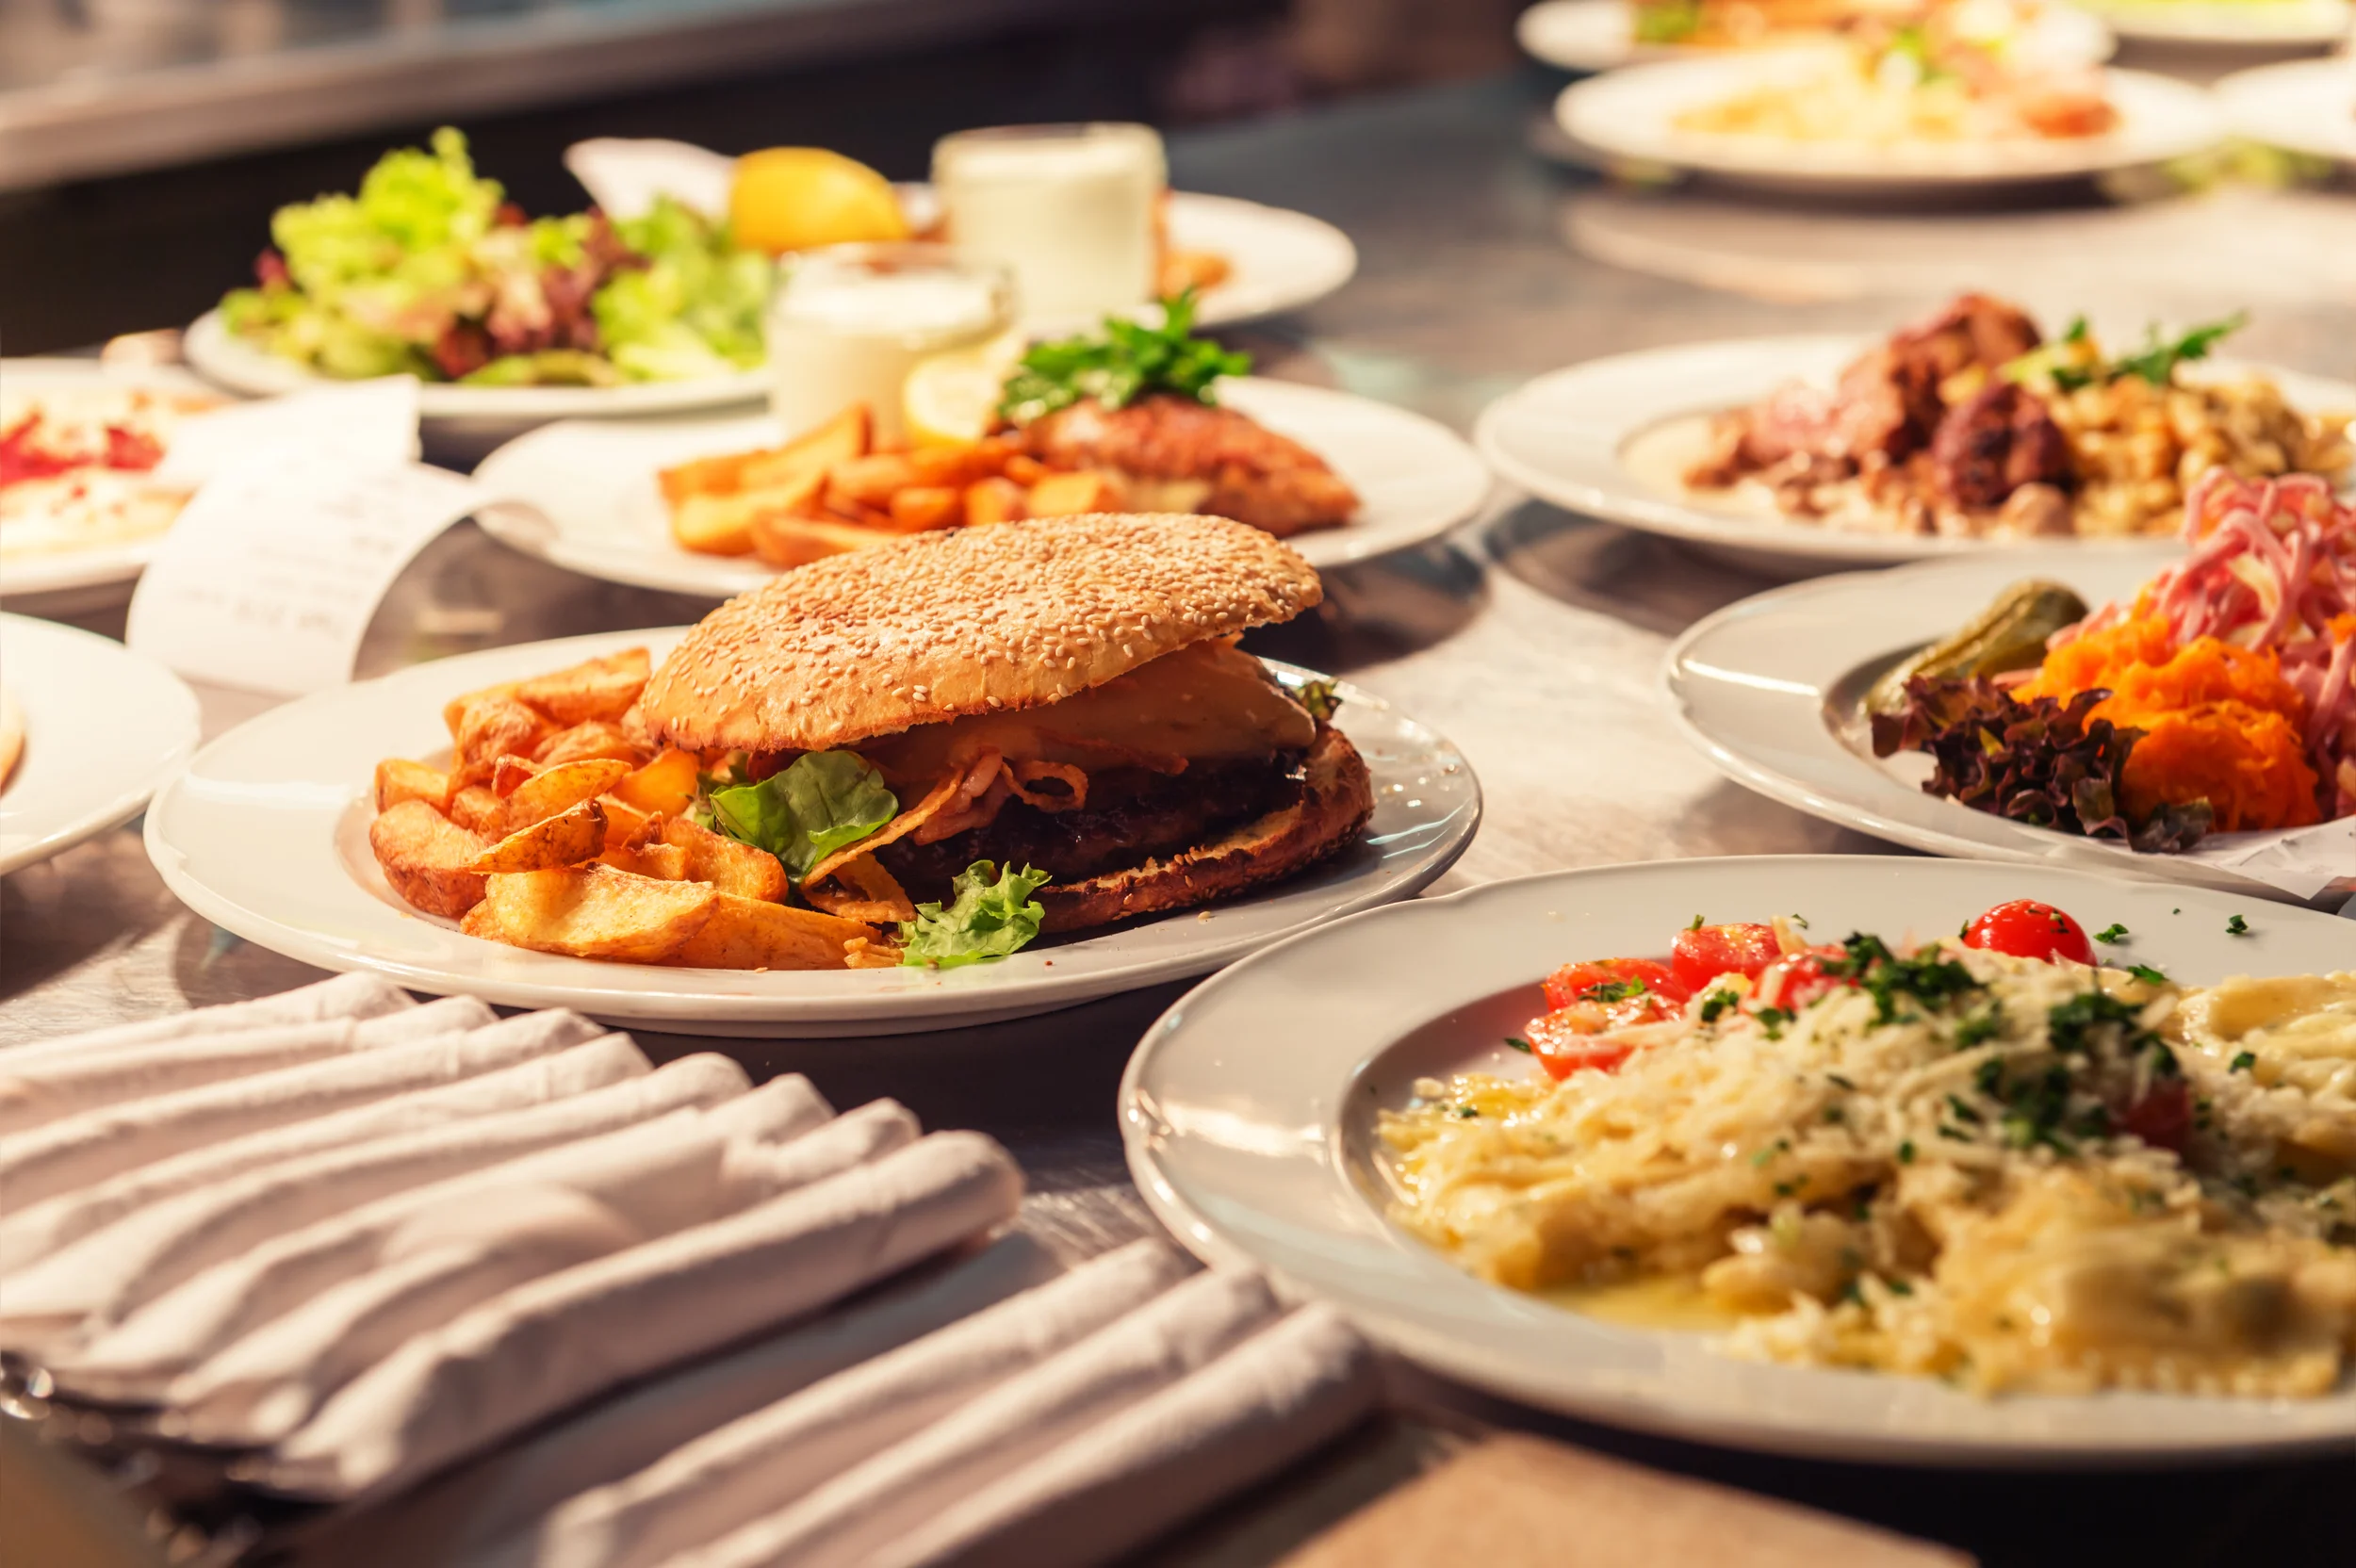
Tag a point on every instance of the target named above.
point(719, 505)
point(495, 824)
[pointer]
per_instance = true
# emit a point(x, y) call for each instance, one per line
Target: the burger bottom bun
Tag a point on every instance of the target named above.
point(1330, 812)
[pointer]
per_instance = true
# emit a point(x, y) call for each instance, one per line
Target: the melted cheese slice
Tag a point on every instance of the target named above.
point(1206, 702)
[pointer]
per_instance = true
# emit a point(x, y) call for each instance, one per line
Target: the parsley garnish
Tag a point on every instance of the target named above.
point(1613, 990)
point(1124, 362)
point(2237, 927)
point(1906, 1152)
point(2146, 974)
point(1773, 1019)
point(1519, 1044)
point(1319, 697)
point(1926, 978)
point(2113, 933)
point(2242, 1061)
point(1715, 1003)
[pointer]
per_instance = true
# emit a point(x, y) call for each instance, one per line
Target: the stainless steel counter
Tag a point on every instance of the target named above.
point(1532, 639)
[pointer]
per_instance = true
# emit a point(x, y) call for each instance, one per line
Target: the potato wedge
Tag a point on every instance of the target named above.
point(557, 790)
point(724, 525)
point(992, 500)
point(566, 839)
point(661, 861)
point(398, 779)
point(1069, 495)
point(750, 933)
point(476, 809)
point(509, 773)
point(455, 708)
point(490, 728)
point(732, 867)
point(798, 541)
point(591, 912)
point(625, 824)
point(665, 786)
point(869, 480)
point(849, 435)
point(922, 507)
point(594, 689)
point(597, 738)
point(427, 858)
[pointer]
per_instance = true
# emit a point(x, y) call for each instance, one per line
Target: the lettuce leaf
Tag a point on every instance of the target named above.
point(828, 800)
point(991, 916)
point(694, 309)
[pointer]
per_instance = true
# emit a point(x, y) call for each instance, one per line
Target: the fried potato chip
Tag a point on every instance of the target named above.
point(566, 839)
point(594, 689)
point(489, 728)
point(592, 912)
point(556, 789)
point(590, 740)
point(664, 786)
point(750, 933)
point(732, 867)
point(428, 859)
point(398, 779)
point(476, 809)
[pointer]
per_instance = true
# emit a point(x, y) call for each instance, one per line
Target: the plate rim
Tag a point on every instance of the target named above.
point(715, 1012)
point(1439, 1352)
point(2239, 94)
point(1531, 23)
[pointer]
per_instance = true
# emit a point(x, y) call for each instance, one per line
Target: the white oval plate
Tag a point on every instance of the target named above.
point(2303, 106)
point(1249, 1112)
point(1600, 35)
point(582, 494)
point(103, 729)
point(1630, 114)
point(2227, 24)
point(265, 834)
point(475, 412)
point(1283, 260)
point(1608, 438)
point(1760, 686)
point(65, 582)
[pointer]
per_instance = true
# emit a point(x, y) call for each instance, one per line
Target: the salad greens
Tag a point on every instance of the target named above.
point(1123, 362)
point(428, 269)
point(991, 916)
point(826, 801)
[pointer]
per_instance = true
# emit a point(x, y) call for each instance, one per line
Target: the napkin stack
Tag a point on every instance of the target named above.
point(350, 1241)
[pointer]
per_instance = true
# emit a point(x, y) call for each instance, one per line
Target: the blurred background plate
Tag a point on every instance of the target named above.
point(2301, 105)
point(1600, 35)
point(2227, 24)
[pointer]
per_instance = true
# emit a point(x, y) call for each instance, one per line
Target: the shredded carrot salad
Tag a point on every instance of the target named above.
point(2238, 663)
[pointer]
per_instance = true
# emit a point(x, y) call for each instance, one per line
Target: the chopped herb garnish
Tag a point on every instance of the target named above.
point(1962, 1110)
point(1466, 1113)
point(2242, 1061)
point(1715, 1003)
point(1926, 978)
point(1773, 1019)
point(2146, 974)
point(1906, 1152)
point(1980, 1028)
point(1839, 1081)
point(1779, 1146)
point(1319, 697)
point(1519, 1044)
point(2237, 927)
point(1613, 990)
point(2113, 933)
point(1118, 364)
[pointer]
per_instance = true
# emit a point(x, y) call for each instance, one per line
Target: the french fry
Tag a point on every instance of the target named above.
point(849, 435)
point(489, 728)
point(553, 791)
point(732, 867)
point(665, 786)
point(961, 463)
point(1069, 495)
point(798, 541)
point(1025, 470)
point(750, 933)
point(596, 738)
point(591, 912)
point(398, 779)
point(705, 476)
point(922, 507)
point(566, 839)
point(594, 689)
point(723, 525)
point(869, 481)
point(992, 500)
point(427, 858)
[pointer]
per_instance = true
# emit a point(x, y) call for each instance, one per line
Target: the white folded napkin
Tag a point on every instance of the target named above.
point(749, 1467)
point(841, 1520)
point(671, 1169)
point(351, 996)
point(98, 1144)
point(101, 1278)
point(1274, 1398)
point(31, 1233)
point(263, 1386)
point(45, 1091)
point(527, 1354)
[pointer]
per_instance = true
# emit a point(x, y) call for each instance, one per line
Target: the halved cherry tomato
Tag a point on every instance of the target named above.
point(1567, 1040)
point(1617, 979)
point(1703, 952)
point(2162, 1118)
point(1796, 979)
point(2027, 929)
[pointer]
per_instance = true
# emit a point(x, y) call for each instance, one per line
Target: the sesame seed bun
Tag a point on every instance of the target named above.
point(977, 620)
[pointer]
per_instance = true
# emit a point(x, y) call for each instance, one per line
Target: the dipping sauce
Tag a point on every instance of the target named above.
point(849, 321)
point(1070, 210)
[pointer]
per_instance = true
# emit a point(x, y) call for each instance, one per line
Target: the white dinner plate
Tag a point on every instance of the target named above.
point(1610, 439)
point(1767, 689)
point(2227, 24)
point(1630, 115)
point(2302, 107)
point(472, 414)
point(68, 581)
point(582, 493)
point(103, 729)
point(265, 834)
point(1249, 1114)
point(1600, 35)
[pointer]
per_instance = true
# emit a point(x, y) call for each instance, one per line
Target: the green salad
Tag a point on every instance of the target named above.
point(430, 270)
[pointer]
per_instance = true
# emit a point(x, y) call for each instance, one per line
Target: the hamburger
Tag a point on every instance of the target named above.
point(1054, 708)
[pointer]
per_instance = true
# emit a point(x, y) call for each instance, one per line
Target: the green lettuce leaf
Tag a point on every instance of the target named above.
point(826, 801)
point(694, 309)
point(991, 916)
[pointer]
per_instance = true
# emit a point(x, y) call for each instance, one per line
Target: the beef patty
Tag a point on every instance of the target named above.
point(1132, 816)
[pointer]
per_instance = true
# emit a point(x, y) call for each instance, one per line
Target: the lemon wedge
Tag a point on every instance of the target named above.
point(953, 396)
point(795, 198)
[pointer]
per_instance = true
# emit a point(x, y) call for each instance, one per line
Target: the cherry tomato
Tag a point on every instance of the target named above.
point(1619, 979)
point(1703, 952)
point(2027, 929)
point(1566, 1041)
point(1798, 979)
point(2162, 1118)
